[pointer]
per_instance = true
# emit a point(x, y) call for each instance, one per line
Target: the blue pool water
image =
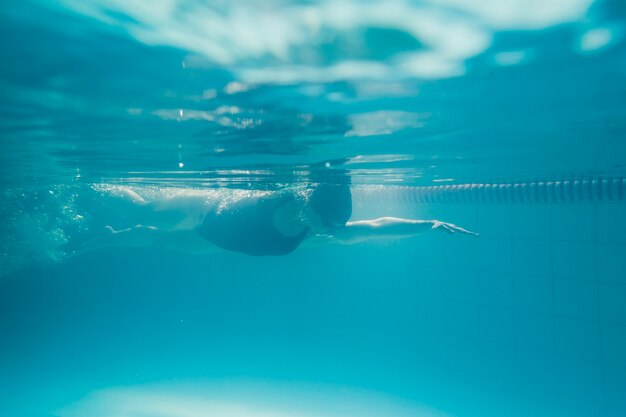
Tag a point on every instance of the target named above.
point(506, 118)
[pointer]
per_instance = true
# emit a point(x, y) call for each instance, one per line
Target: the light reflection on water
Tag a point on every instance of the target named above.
point(232, 398)
point(114, 87)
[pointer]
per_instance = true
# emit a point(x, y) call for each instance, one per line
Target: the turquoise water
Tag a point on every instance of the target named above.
point(505, 118)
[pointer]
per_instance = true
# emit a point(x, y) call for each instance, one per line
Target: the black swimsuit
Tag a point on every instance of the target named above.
point(247, 226)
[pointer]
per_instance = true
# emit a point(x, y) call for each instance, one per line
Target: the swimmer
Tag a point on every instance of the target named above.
point(255, 223)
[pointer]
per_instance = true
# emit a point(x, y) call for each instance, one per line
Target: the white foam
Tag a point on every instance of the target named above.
point(510, 58)
point(222, 115)
point(595, 39)
point(383, 122)
point(264, 41)
point(521, 14)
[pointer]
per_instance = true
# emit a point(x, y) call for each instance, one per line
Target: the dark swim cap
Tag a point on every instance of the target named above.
point(333, 203)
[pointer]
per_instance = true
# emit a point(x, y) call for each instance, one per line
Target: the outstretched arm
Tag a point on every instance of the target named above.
point(139, 235)
point(391, 228)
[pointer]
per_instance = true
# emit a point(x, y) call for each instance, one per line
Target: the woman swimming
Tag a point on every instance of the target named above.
point(257, 223)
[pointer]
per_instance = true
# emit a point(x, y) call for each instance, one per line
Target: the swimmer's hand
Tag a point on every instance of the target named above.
point(450, 228)
point(99, 239)
point(135, 236)
point(390, 228)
